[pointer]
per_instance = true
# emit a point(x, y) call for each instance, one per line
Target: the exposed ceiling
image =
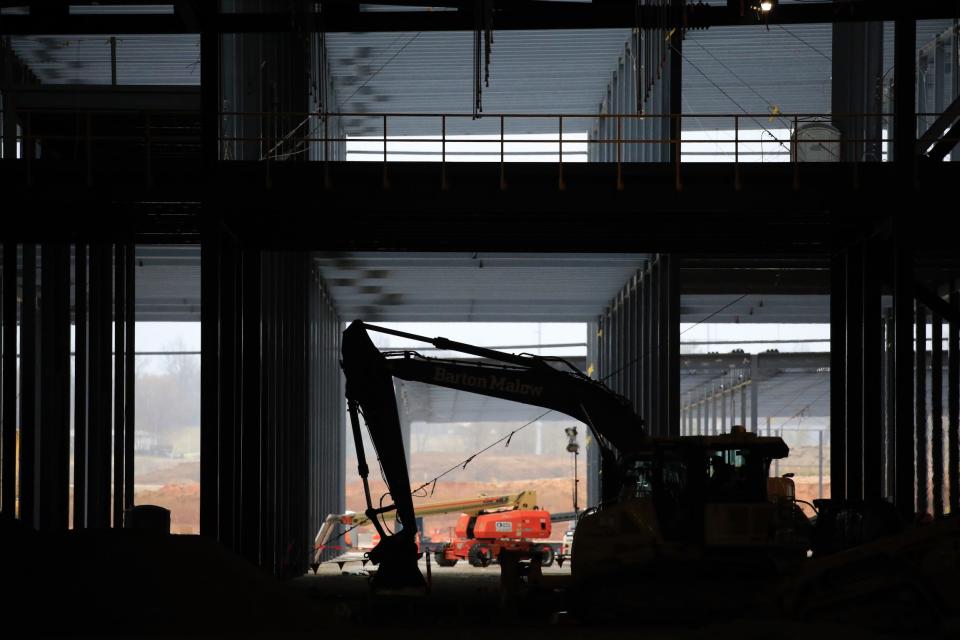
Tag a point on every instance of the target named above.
point(168, 283)
point(534, 72)
point(478, 287)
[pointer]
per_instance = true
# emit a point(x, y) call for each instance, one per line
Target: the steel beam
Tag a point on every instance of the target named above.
point(518, 14)
point(935, 303)
point(939, 127)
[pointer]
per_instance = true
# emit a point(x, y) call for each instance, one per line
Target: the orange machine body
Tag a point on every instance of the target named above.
point(498, 531)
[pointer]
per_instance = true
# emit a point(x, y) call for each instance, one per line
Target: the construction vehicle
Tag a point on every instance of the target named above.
point(659, 495)
point(481, 538)
point(687, 511)
point(492, 522)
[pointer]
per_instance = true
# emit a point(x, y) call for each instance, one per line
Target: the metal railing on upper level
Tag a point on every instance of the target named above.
point(102, 136)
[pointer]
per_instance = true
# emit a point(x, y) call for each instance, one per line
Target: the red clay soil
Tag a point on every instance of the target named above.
point(183, 501)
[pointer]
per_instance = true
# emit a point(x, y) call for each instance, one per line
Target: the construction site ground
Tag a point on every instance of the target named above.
point(469, 602)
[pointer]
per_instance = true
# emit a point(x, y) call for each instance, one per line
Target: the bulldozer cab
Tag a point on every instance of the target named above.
point(695, 483)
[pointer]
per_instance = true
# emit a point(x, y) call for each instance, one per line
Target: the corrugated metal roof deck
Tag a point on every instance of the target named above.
point(464, 287)
point(530, 71)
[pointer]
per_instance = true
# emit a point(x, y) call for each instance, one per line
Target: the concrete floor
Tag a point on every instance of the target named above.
point(468, 602)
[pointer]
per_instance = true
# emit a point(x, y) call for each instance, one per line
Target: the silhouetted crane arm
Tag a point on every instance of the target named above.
point(521, 378)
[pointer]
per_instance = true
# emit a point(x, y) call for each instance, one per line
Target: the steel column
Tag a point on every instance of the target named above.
point(129, 369)
point(53, 443)
point(723, 408)
point(890, 408)
point(249, 458)
point(936, 411)
point(228, 395)
point(672, 333)
point(119, 395)
point(743, 404)
point(29, 351)
point(953, 403)
point(8, 479)
point(920, 404)
point(714, 411)
point(80, 388)
point(904, 376)
point(871, 385)
point(700, 404)
point(904, 106)
point(99, 388)
point(754, 392)
point(838, 376)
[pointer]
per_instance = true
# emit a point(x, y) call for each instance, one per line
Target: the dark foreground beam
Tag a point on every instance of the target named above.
point(517, 14)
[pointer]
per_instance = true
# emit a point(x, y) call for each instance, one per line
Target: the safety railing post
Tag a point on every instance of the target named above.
point(619, 162)
point(326, 150)
point(386, 181)
point(89, 145)
point(678, 185)
point(560, 184)
point(28, 147)
point(443, 151)
point(796, 160)
point(149, 150)
point(736, 152)
point(503, 177)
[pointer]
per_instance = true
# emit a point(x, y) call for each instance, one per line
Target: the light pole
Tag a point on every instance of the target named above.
point(574, 448)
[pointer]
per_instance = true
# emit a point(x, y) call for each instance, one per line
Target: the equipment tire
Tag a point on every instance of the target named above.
point(546, 555)
point(440, 558)
point(480, 556)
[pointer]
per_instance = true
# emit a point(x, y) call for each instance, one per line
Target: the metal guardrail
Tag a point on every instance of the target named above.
point(149, 134)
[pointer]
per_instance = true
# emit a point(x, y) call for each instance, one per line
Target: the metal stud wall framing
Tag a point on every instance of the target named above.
point(733, 385)
point(37, 297)
point(891, 435)
point(327, 409)
point(272, 430)
point(651, 59)
point(637, 345)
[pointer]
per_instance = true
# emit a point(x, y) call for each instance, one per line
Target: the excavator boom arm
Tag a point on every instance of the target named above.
point(527, 379)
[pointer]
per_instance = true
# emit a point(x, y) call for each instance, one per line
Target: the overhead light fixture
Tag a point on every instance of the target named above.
point(766, 6)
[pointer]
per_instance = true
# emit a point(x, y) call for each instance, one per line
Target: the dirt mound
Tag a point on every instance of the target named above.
point(183, 501)
point(181, 472)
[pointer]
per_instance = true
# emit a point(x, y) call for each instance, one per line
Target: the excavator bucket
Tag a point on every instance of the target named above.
point(396, 559)
point(369, 388)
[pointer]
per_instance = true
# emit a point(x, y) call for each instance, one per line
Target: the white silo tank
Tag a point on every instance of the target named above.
point(816, 142)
